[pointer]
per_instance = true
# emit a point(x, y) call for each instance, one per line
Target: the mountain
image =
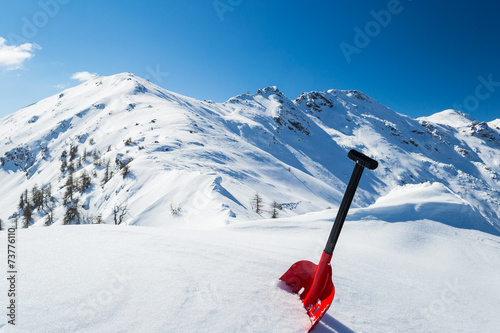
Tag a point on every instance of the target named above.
point(156, 158)
point(418, 252)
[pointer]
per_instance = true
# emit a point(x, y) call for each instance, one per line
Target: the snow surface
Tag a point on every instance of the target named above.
point(450, 117)
point(390, 277)
point(495, 124)
point(419, 251)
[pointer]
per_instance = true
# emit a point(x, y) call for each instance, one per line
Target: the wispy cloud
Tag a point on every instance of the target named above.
point(62, 86)
point(83, 76)
point(12, 57)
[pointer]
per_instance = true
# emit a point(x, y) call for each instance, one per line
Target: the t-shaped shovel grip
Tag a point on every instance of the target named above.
point(362, 161)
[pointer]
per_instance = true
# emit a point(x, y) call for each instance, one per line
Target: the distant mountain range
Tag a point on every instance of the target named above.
point(120, 149)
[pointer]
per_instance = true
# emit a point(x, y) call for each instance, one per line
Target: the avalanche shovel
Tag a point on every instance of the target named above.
point(314, 282)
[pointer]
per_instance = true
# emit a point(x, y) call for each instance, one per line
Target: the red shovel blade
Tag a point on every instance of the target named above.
point(314, 285)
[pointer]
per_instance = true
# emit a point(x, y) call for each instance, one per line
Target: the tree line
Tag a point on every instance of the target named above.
point(39, 202)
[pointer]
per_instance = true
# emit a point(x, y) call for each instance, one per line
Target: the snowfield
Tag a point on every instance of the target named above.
point(135, 209)
point(421, 276)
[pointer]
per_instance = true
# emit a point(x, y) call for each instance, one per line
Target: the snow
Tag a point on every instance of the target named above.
point(389, 277)
point(418, 253)
point(495, 124)
point(450, 117)
point(432, 201)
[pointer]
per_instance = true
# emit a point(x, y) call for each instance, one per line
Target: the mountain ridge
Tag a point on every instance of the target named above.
point(289, 151)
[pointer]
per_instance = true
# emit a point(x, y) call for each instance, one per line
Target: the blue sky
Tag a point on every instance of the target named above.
point(417, 57)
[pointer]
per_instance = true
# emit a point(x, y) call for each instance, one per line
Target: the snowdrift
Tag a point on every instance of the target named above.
point(427, 201)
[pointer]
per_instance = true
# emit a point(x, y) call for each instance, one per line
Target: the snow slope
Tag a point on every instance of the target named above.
point(390, 277)
point(414, 202)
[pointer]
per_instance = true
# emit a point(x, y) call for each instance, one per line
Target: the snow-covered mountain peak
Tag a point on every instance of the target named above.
point(123, 82)
point(354, 96)
point(182, 151)
point(357, 95)
point(465, 124)
point(495, 124)
point(451, 118)
point(346, 104)
point(269, 90)
point(314, 100)
point(266, 105)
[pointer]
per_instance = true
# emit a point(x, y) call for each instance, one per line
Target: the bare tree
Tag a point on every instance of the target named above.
point(125, 169)
point(256, 203)
point(21, 202)
point(50, 206)
point(47, 195)
point(71, 167)
point(85, 182)
point(37, 196)
point(27, 215)
point(73, 152)
point(124, 211)
point(72, 213)
point(84, 154)
point(274, 209)
point(64, 166)
point(70, 189)
point(107, 175)
point(129, 142)
point(96, 155)
point(124, 166)
point(119, 212)
point(175, 209)
point(64, 163)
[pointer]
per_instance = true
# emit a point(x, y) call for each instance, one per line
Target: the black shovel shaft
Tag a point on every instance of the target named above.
point(362, 161)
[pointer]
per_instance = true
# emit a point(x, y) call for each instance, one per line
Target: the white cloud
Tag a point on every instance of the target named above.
point(83, 76)
point(13, 57)
point(62, 86)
